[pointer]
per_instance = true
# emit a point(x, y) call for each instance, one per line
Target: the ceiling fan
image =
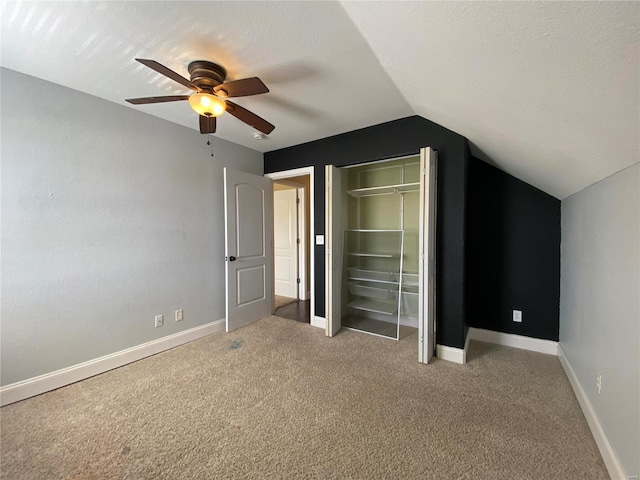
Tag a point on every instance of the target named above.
point(210, 99)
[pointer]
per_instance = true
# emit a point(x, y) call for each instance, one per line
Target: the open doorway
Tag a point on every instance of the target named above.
point(293, 252)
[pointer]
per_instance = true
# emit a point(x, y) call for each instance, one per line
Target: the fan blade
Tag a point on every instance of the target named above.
point(168, 98)
point(242, 88)
point(167, 72)
point(249, 118)
point(207, 124)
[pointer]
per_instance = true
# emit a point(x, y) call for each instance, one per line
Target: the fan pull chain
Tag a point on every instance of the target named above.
point(210, 142)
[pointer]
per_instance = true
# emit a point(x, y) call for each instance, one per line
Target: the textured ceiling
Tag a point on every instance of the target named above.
point(323, 77)
point(547, 91)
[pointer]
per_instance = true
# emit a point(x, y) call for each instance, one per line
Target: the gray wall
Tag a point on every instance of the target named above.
point(600, 304)
point(109, 217)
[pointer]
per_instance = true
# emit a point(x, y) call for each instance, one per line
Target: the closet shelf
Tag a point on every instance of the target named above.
point(409, 293)
point(369, 230)
point(410, 279)
point(372, 292)
point(385, 190)
point(374, 306)
point(378, 276)
point(377, 255)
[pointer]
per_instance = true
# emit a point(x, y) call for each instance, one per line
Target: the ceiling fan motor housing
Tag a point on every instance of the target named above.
point(206, 75)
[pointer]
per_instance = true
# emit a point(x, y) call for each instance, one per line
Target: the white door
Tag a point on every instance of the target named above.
point(248, 247)
point(427, 278)
point(333, 245)
point(285, 237)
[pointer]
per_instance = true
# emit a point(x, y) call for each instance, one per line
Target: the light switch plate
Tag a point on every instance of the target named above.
point(319, 239)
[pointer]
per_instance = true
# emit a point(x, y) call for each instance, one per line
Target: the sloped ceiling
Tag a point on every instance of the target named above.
point(548, 92)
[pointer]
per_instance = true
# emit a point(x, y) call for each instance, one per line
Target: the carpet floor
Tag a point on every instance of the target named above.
point(278, 399)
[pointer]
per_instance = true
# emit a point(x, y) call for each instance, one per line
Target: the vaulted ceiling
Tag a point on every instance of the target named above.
point(547, 91)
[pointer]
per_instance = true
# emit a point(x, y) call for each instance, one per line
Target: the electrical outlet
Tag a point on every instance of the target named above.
point(517, 316)
point(599, 382)
point(179, 315)
point(159, 320)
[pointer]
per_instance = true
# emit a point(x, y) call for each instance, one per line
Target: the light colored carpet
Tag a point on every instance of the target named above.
point(281, 301)
point(277, 399)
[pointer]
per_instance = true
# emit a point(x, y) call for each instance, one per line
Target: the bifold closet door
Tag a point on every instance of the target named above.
point(427, 265)
point(333, 248)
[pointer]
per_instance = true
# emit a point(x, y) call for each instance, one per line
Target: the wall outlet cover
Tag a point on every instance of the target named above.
point(159, 320)
point(517, 316)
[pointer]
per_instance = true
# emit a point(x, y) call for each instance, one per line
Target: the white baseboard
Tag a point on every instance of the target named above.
point(614, 467)
point(319, 322)
point(453, 354)
point(50, 381)
point(510, 340)
point(305, 295)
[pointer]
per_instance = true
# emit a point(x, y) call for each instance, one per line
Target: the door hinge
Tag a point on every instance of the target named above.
point(298, 201)
point(297, 240)
point(424, 171)
point(297, 280)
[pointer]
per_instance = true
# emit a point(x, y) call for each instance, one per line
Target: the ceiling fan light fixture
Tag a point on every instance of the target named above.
point(210, 101)
point(207, 104)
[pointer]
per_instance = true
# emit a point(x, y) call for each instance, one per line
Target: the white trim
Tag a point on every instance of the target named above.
point(320, 322)
point(302, 250)
point(296, 172)
point(614, 467)
point(453, 354)
point(50, 381)
point(510, 340)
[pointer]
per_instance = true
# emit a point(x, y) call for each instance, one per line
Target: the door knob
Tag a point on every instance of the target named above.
point(232, 258)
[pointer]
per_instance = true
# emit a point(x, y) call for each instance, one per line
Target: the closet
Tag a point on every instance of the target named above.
point(380, 225)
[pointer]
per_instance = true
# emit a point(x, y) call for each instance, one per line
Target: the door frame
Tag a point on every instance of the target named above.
point(297, 172)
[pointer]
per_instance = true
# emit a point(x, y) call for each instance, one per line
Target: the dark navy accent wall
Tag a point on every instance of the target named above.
point(395, 139)
point(513, 254)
